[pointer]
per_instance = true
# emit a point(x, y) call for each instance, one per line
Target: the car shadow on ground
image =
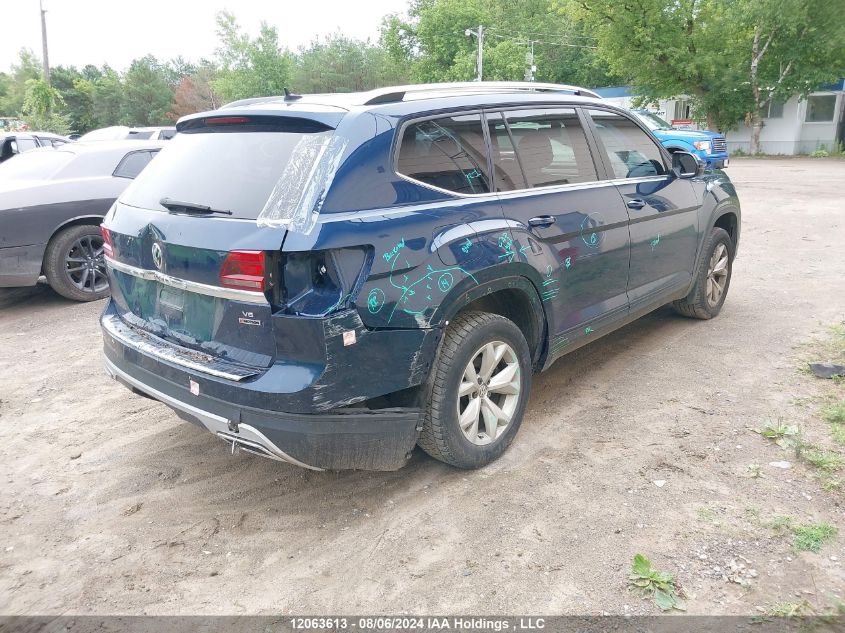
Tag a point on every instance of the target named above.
point(245, 482)
point(37, 296)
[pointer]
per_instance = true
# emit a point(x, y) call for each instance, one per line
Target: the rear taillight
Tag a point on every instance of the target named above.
point(244, 270)
point(108, 248)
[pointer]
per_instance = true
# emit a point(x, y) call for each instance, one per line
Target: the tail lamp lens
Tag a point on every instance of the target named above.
point(108, 248)
point(244, 270)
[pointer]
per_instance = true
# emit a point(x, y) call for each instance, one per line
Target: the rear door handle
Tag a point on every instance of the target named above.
point(542, 220)
point(636, 203)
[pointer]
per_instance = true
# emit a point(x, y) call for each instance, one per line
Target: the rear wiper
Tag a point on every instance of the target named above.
point(177, 206)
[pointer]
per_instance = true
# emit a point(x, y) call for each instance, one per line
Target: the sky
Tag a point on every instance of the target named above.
point(96, 32)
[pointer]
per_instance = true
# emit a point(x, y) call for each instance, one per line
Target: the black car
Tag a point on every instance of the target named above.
point(51, 204)
point(329, 280)
point(13, 143)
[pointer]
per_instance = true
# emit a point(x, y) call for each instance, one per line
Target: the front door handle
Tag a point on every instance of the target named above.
point(542, 220)
point(636, 203)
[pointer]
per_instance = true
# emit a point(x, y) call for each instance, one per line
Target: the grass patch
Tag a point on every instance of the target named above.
point(835, 413)
point(823, 459)
point(657, 585)
point(811, 537)
point(780, 522)
point(790, 609)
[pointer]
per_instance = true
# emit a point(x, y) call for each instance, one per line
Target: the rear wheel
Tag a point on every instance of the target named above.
point(74, 264)
point(713, 278)
point(479, 390)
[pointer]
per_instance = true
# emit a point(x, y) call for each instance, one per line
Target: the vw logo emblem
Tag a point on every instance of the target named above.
point(157, 256)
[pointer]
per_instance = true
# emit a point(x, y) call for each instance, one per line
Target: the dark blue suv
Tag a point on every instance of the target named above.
point(330, 280)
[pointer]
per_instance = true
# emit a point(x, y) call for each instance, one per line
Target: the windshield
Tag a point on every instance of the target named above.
point(36, 165)
point(236, 171)
point(652, 121)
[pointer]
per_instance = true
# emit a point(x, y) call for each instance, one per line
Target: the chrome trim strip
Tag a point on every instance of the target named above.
point(172, 354)
point(233, 294)
point(212, 422)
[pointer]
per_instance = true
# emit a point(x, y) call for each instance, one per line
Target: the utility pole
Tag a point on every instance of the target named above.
point(46, 60)
point(530, 66)
point(479, 60)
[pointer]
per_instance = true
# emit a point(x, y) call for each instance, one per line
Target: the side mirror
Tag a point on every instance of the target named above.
point(686, 165)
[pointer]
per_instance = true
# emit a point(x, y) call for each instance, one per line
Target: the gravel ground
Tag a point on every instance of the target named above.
point(112, 505)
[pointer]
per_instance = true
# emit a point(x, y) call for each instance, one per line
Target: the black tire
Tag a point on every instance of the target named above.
point(74, 260)
point(697, 304)
point(463, 340)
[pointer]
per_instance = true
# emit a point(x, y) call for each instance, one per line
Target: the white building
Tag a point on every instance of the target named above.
point(797, 126)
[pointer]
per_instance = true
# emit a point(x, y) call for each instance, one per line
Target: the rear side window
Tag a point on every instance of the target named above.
point(631, 151)
point(132, 164)
point(447, 153)
point(548, 146)
point(26, 144)
point(239, 169)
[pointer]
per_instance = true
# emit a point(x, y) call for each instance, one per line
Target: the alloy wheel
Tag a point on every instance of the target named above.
point(717, 275)
point(489, 393)
point(85, 264)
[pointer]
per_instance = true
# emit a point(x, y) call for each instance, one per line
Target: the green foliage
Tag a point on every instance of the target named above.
point(432, 42)
point(40, 107)
point(147, 93)
point(341, 64)
point(650, 583)
point(790, 609)
point(835, 413)
point(249, 67)
point(811, 537)
point(28, 67)
point(705, 49)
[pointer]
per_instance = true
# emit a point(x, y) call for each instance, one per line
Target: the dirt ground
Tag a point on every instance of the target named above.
point(111, 505)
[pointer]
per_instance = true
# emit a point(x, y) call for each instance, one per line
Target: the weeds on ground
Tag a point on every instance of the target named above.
point(811, 537)
point(825, 461)
point(790, 609)
point(658, 585)
point(835, 413)
point(784, 435)
point(780, 523)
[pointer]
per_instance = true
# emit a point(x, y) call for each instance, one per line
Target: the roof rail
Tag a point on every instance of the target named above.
point(398, 93)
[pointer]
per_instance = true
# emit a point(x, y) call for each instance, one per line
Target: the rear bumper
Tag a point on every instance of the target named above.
point(21, 265)
point(338, 440)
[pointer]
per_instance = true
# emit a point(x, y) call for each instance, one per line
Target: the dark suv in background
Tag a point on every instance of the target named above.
point(329, 280)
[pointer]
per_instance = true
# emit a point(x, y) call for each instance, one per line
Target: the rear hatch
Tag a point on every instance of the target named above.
point(193, 244)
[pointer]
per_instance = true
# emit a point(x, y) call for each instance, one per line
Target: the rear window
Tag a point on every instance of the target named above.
point(39, 165)
point(237, 171)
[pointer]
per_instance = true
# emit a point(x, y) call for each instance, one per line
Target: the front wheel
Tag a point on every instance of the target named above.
point(479, 390)
point(74, 264)
point(713, 278)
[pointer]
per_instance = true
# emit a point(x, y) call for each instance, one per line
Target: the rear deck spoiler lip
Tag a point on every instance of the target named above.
point(328, 116)
point(232, 294)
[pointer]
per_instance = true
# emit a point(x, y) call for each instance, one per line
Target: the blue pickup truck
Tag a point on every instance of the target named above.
point(711, 147)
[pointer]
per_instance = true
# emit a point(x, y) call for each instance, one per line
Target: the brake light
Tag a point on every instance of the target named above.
point(244, 270)
point(227, 120)
point(108, 248)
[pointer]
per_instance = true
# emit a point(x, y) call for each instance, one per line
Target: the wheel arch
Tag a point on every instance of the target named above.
point(514, 298)
point(93, 220)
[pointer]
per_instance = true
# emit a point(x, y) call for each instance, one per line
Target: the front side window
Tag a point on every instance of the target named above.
point(820, 108)
point(26, 144)
point(447, 153)
point(631, 151)
point(548, 147)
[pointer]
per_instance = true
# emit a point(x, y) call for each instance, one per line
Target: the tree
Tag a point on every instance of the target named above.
point(40, 108)
point(791, 47)
point(77, 94)
point(432, 42)
point(194, 94)
point(28, 67)
point(731, 56)
point(107, 97)
point(249, 67)
point(147, 93)
point(341, 64)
